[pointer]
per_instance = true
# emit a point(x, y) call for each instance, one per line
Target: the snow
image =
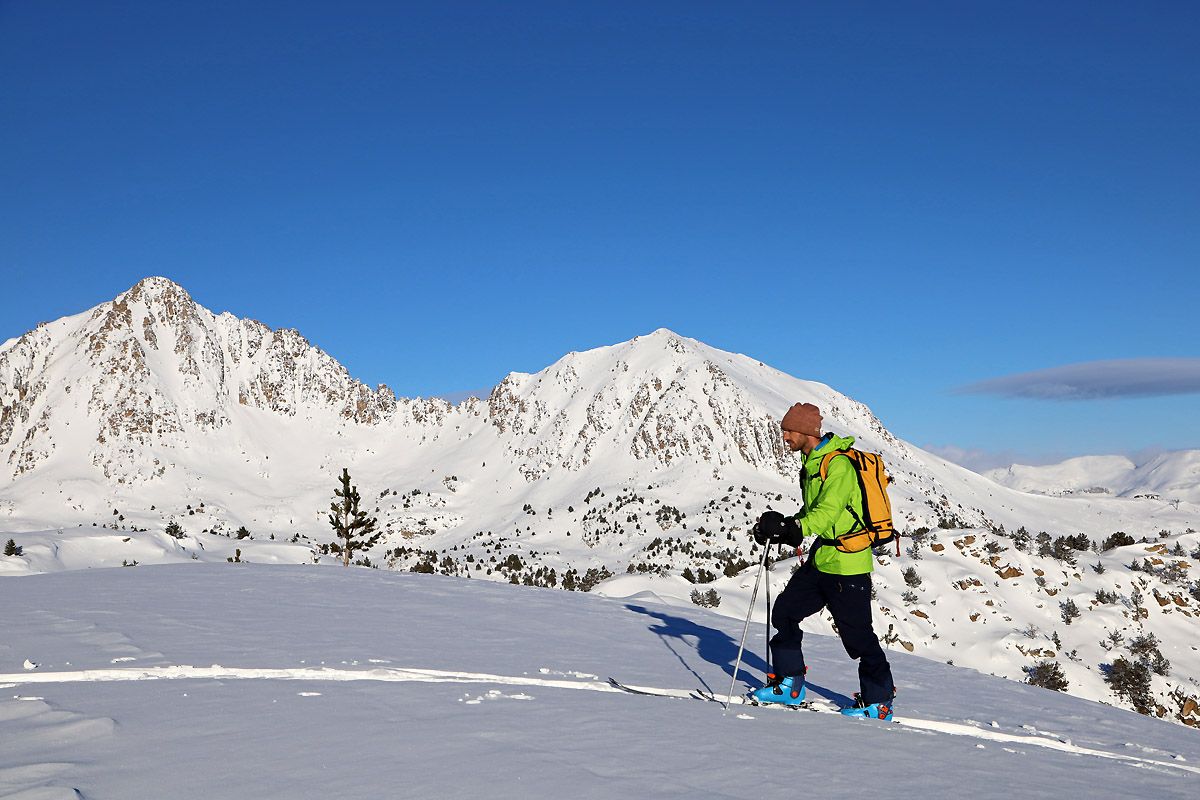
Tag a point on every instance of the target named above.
point(1173, 476)
point(229, 423)
point(231, 681)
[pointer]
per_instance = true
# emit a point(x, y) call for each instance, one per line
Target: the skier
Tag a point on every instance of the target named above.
point(829, 579)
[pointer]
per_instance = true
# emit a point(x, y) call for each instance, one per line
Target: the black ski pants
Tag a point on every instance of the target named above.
point(848, 598)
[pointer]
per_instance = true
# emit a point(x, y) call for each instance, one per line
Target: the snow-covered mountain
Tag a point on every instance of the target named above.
point(1173, 476)
point(152, 400)
point(639, 465)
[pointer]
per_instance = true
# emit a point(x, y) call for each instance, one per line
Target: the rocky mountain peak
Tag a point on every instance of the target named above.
point(152, 368)
point(658, 399)
point(156, 290)
point(664, 338)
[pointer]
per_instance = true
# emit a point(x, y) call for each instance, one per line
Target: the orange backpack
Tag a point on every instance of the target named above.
point(875, 526)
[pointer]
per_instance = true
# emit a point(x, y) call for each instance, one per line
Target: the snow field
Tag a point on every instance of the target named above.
point(498, 691)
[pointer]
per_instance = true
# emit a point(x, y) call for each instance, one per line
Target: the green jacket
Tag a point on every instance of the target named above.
point(825, 511)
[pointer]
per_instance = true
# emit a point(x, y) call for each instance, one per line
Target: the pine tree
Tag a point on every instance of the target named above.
point(11, 549)
point(352, 528)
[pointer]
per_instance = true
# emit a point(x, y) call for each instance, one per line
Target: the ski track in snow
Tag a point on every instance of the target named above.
point(414, 675)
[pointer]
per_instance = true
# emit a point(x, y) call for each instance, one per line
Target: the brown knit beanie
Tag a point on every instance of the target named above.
point(803, 418)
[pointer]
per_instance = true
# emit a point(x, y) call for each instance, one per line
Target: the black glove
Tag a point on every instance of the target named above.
point(770, 528)
point(774, 528)
point(793, 534)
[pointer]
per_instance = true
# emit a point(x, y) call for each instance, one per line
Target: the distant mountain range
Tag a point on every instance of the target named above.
point(151, 397)
point(640, 465)
point(1168, 476)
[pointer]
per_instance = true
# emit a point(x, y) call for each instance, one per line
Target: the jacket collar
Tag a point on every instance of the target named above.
point(825, 440)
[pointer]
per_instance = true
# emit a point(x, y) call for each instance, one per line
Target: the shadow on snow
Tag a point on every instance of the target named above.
point(717, 648)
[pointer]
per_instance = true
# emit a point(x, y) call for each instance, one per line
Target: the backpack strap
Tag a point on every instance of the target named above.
point(825, 459)
point(825, 472)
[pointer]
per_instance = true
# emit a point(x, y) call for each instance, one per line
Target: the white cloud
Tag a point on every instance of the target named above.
point(1094, 380)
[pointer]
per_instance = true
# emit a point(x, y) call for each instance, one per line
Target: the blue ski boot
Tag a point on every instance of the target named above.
point(788, 691)
point(863, 710)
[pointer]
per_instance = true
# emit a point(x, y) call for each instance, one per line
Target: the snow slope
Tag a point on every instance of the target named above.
point(623, 469)
point(233, 681)
point(1170, 476)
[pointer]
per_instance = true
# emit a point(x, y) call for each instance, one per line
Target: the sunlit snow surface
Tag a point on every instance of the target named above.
point(646, 458)
point(239, 681)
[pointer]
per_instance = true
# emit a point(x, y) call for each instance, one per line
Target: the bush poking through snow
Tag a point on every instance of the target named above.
point(1145, 647)
point(592, 577)
point(1118, 539)
point(1130, 680)
point(911, 578)
point(707, 599)
point(1048, 675)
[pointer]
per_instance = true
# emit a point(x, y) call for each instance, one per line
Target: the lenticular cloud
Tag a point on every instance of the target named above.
point(1094, 380)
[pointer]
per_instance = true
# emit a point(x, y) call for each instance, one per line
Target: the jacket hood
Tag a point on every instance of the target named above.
point(835, 443)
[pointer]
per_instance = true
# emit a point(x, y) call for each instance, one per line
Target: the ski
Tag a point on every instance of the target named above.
point(708, 696)
point(653, 691)
point(745, 700)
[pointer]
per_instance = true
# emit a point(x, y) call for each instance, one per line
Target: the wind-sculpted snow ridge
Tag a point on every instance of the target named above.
point(38, 740)
point(427, 674)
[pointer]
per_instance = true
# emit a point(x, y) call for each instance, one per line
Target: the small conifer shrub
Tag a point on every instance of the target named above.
point(1130, 680)
point(1047, 674)
point(1145, 647)
point(1118, 539)
point(911, 578)
point(1069, 610)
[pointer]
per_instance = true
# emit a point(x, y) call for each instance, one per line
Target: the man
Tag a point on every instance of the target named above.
point(829, 578)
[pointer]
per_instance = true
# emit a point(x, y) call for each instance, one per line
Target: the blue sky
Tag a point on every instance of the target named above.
point(898, 199)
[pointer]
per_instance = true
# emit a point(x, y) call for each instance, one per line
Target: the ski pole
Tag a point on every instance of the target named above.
point(768, 634)
point(762, 565)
